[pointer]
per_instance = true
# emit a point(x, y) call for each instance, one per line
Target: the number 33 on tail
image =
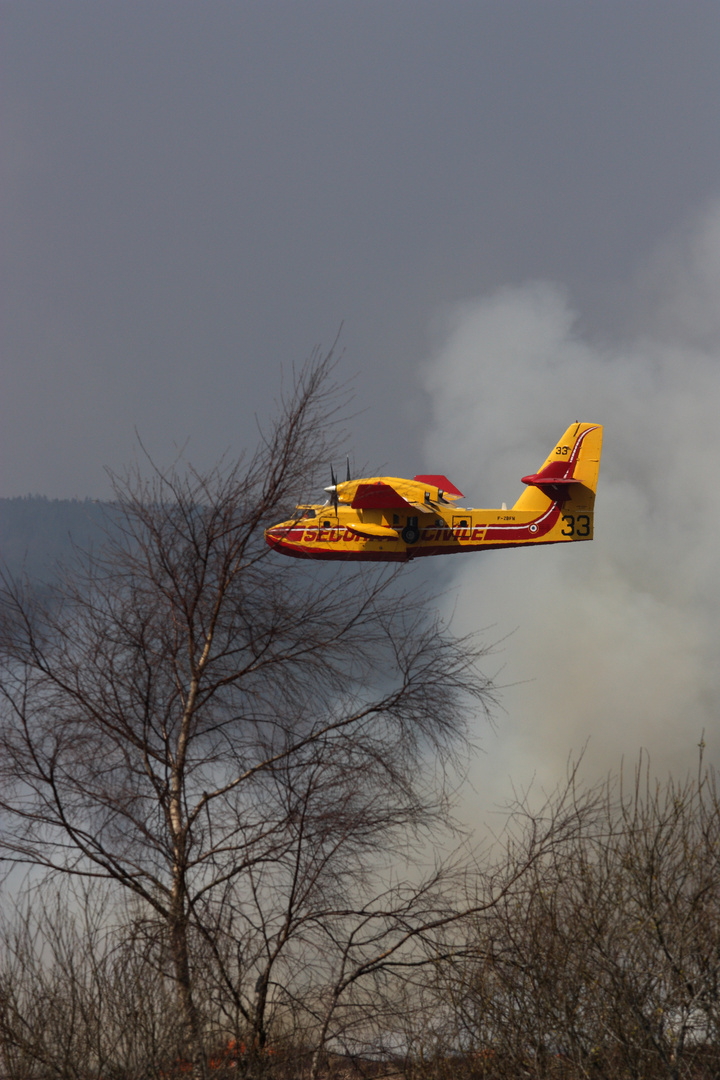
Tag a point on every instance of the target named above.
point(388, 519)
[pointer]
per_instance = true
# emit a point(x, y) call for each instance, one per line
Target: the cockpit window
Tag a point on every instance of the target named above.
point(304, 512)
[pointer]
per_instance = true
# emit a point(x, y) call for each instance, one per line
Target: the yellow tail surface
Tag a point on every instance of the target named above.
point(570, 471)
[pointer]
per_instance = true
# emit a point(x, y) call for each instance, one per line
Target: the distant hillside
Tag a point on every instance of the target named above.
point(36, 533)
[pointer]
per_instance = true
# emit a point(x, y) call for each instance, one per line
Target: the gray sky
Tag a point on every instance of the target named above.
point(511, 206)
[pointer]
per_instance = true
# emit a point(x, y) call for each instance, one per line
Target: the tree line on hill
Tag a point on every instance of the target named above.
point(226, 794)
point(38, 534)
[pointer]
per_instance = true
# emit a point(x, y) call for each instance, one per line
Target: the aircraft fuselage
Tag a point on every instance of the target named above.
point(331, 535)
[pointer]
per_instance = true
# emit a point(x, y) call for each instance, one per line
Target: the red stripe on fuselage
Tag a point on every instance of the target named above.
point(501, 534)
point(530, 530)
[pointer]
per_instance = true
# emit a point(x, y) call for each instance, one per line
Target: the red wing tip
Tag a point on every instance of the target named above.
point(439, 481)
point(377, 496)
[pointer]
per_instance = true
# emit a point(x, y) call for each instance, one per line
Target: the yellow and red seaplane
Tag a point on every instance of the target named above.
point(388, 519)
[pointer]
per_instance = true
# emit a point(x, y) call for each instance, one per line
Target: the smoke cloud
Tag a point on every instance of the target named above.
point(613, 644)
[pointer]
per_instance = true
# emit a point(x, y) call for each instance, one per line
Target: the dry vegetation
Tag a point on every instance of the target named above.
point(227, 783)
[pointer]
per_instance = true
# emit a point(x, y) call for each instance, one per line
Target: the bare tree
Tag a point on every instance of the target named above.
point(604, 959)
point(230, 739)
point(83, 991)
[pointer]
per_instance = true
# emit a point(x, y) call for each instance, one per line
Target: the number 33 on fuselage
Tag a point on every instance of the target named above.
point(388, 519)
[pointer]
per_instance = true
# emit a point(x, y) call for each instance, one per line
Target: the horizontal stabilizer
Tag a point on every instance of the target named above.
point(538, 479)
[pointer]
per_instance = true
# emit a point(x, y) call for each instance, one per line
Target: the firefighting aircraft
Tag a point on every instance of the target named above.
point(387, 519)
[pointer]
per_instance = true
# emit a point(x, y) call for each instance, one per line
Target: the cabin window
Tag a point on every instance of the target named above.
point(396, 519)
point(326, 524)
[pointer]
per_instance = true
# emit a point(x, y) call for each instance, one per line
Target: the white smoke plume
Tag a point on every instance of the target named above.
point(614, 643)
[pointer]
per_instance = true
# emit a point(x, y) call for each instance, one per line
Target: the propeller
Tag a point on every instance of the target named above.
point(334, 495)
point(332, 490)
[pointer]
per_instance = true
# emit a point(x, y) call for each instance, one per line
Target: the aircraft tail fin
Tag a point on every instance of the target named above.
point(569, 473)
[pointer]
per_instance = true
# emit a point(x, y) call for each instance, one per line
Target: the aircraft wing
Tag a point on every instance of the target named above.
point(446, 486)
point(379, 496)
point(382, 496)
point(423, 508)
